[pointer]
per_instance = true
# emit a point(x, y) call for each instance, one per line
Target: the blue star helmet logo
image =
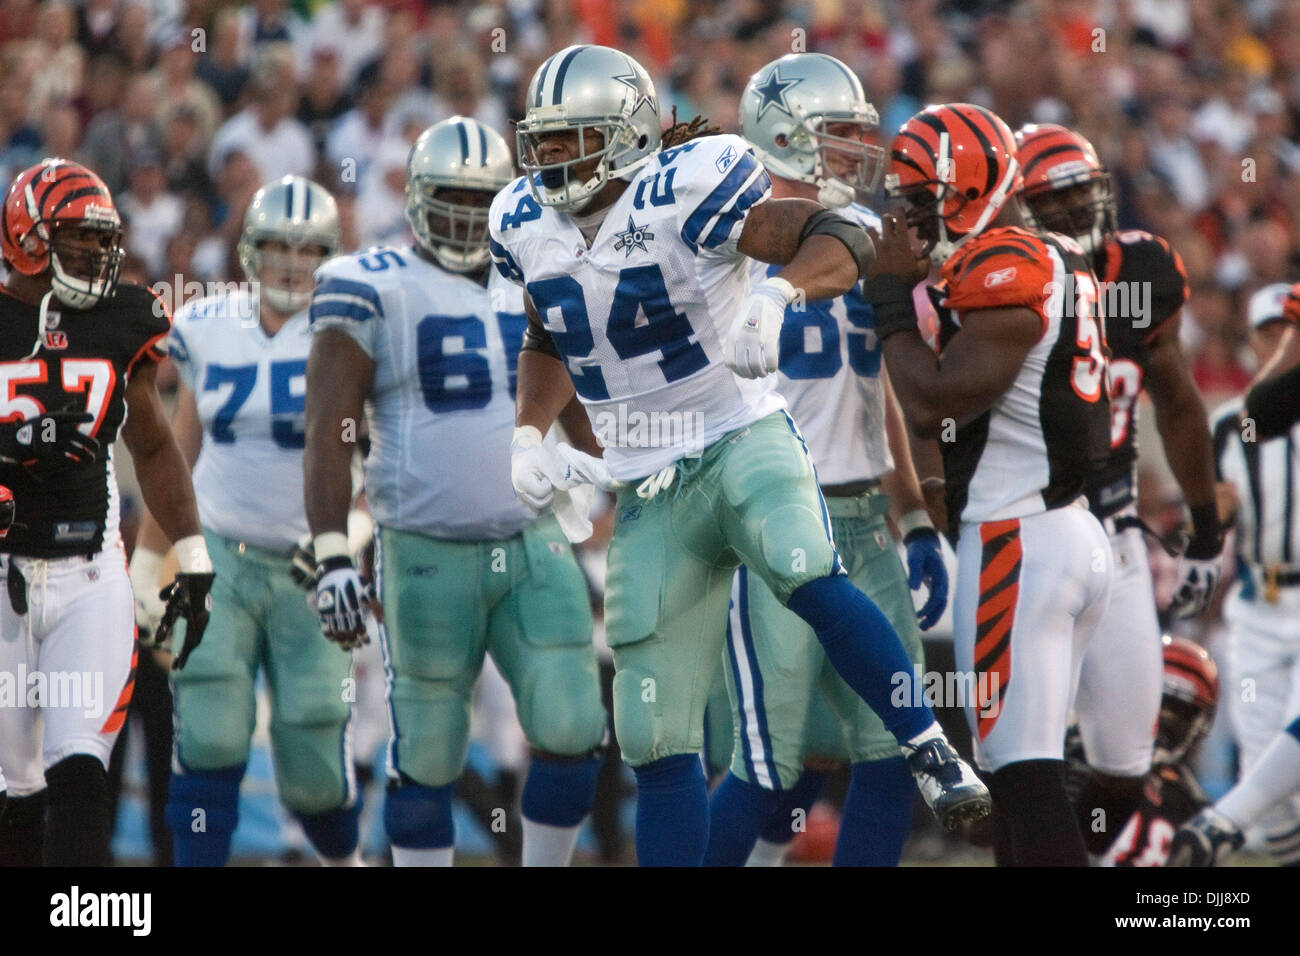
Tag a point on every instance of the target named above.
point(635, 237)
point(771, 94)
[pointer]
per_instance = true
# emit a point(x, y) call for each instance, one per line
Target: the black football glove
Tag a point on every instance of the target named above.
point(188, 596)
point(49, 439)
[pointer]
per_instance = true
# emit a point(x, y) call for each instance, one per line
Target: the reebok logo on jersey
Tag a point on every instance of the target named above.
point(724, 161)
point(1000, 277)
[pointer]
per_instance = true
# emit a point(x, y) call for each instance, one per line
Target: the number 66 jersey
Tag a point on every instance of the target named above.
point(82, 358)
point(639, 316)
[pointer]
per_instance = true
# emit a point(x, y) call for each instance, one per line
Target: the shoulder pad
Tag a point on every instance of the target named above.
point(347, 290)
point(998, 269)
point(715, 181)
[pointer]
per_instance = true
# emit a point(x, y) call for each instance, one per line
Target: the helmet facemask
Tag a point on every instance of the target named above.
point(560, 184)
point(285, 272)
point(1181, 725)
point(454, 233)
point(848, 167)
point(1082, 208)
point(85, 261)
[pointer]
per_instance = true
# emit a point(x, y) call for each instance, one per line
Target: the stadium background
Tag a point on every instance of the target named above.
point(186, 108)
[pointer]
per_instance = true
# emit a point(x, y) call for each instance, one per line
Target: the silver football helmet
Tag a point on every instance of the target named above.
point(458, 153)
point(786, 111)
point(582, 88)
point(301, 214)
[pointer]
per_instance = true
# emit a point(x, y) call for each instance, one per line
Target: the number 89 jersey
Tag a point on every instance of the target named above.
point(442, 406)
point(250, 391)
point(640, 315)
point(830, 377)
point(1039, 443)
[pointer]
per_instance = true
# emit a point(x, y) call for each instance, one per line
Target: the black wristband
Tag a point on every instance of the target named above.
point(1207, 534)
point(890, 297)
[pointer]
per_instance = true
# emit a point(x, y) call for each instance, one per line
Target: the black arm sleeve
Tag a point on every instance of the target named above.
point(537, 339)
point(1275, 404)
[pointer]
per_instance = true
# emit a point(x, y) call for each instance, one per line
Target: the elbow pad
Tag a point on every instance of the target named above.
point(855, 238)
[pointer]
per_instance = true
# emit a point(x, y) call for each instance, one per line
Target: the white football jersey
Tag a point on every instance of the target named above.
point(250, 390)
point(442, 407)
point(830, 377)
point(640, 315)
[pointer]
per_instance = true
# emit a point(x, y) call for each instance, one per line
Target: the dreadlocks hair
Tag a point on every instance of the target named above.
point(678, 133)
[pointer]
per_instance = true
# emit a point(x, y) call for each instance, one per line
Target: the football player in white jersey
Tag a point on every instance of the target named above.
point(813, 141)
point(636, 262)
point(242, 360)
point(428, 336)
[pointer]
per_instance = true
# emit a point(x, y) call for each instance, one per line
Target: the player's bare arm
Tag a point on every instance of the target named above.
point(164, 476)
point(1181, 417)
point(189, 438)
point(544, 387)
point(821, 265)
point(339, 377)
point(162, 468)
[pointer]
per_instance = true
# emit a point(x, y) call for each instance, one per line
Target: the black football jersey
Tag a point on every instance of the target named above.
point(85, 360)
point(1144, 285)
point(1035, 448)
point(1170, 798)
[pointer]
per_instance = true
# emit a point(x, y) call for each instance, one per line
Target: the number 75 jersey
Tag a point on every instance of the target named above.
point(640, 315)
point(442, 405)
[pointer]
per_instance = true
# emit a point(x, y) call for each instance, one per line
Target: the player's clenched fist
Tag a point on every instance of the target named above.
point(752, 347)
point(531, 466)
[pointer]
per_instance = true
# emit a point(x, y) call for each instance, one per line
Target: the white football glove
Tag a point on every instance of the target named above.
point(532, 466)
point(752, 347)
point(1196, 580)
point(341, 596)
point(149, 608)
point(575, 490)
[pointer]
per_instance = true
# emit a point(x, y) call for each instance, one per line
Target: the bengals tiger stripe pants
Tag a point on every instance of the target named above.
point(1030, 594)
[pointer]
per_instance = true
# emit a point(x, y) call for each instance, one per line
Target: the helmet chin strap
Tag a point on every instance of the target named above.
point(40, 324)
point(834, 194)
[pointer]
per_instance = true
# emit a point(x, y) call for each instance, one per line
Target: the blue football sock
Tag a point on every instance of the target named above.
point(779, 826)
point(419, 817)
point(863, 647)
point(877, 814)
point(737, 812)
point(333, 833)
point(559, 792)
point(672, 812)
point(202, 811)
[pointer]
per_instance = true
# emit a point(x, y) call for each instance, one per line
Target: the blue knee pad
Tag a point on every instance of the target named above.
point(559, 793)
point(863, 647)
point(333, 833)
point(417, 817)
point(203, 838)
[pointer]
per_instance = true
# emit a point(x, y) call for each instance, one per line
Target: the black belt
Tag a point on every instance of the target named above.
point(1173, 544)
point(852, 489)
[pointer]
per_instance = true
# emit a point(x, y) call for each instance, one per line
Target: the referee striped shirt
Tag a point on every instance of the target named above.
point(1267, 477)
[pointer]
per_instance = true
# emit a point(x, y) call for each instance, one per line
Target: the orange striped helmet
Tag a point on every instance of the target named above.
point(1189, 699)
point(1067, 190)
point(956, 165)
point(46, 199)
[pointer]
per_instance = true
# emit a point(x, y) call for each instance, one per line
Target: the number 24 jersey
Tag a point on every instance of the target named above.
point(640, 315)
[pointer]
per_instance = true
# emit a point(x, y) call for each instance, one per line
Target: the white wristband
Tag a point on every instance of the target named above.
point(788, 291)
point(332, 544)
point(920, 518)
point(146, 565)
point(192, 555)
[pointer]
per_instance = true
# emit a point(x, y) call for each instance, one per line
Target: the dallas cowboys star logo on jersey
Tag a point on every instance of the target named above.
point(634, 237)
point(771, 94)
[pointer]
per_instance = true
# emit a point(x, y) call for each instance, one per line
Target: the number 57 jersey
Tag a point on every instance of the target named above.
point(442, 405)
point(640, 315)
